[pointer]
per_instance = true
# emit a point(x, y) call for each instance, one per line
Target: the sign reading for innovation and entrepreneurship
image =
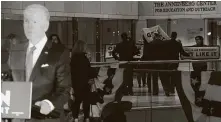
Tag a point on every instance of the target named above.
point(184, 7)
point(110, 47)
point(202, 52)
point(16, 100)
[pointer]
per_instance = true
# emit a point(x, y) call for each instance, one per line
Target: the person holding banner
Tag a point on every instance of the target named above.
point(126, 50)
point(175, 49)
point(155, 50)
point(199, 66)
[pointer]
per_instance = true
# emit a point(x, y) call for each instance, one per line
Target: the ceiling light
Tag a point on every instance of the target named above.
point(209, 33)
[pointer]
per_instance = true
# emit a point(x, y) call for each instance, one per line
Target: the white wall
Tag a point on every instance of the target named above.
point(139, 26)
point(183, 26)
point(163, 24)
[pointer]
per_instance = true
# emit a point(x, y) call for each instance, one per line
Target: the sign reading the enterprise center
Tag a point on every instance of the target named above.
point(202, 52)
point(16, 100)
point(184, 7)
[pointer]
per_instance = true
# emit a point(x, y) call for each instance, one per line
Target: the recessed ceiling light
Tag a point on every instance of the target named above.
point(209, 33)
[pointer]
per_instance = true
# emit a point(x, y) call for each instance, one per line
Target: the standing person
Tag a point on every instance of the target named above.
point(158, 50)
point(10, 44)
point(81, 73)
point(57, 46)
point(153, 51)
point(126, 50)
point(14, 40)
point(175, 49)
point(28, 67)
point(147, 56)
point(198, 67)
point(56, 42)
point(141, 76)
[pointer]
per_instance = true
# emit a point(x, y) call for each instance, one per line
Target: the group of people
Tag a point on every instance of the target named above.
point(51, 84)
point(157, 49)
point(162, 50)
point(167, 50)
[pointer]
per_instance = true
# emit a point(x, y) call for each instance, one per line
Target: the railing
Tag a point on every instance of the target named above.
point(152, 105)
point(157, 62)
point(214, 64)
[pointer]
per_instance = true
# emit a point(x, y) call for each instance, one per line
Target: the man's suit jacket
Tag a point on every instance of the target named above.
point(50, 75)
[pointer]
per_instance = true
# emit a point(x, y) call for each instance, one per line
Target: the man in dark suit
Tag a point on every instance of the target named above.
point(126, 50)
point(156, 51)
point(36, 63)
point(174, 50)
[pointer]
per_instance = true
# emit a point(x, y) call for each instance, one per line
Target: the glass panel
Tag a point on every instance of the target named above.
point(111, 30)
point(214, 37)
point(87, 32)
point(12, 24)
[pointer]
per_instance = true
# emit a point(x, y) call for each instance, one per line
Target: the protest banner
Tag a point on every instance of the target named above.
point(149, 33)
point(209, 52)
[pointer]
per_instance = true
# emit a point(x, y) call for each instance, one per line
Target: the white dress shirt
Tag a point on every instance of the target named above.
point(39, 47)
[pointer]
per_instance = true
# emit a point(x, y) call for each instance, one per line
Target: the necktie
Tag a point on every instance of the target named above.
point(29, 62)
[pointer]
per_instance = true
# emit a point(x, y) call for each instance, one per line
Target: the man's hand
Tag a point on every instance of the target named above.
point(45, 107)
point(108, 90)
point(91, 81)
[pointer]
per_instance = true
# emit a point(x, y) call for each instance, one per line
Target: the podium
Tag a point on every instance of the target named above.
point(16, 100)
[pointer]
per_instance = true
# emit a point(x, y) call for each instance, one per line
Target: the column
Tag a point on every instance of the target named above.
point(140, 24)
point(98, 43)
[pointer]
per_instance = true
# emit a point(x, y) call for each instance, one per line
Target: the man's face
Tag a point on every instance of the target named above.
point(54, 39)
point(124, 38)
point(156, 36)
point(34, 26)
point(13, 41)
point(198, 41)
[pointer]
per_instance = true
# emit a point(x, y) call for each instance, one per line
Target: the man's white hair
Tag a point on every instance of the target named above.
point(38, 8)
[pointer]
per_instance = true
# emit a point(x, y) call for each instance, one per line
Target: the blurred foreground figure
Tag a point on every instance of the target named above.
point(44, 68)
point(81, 73)
point(10, 44)
point(201, 102)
